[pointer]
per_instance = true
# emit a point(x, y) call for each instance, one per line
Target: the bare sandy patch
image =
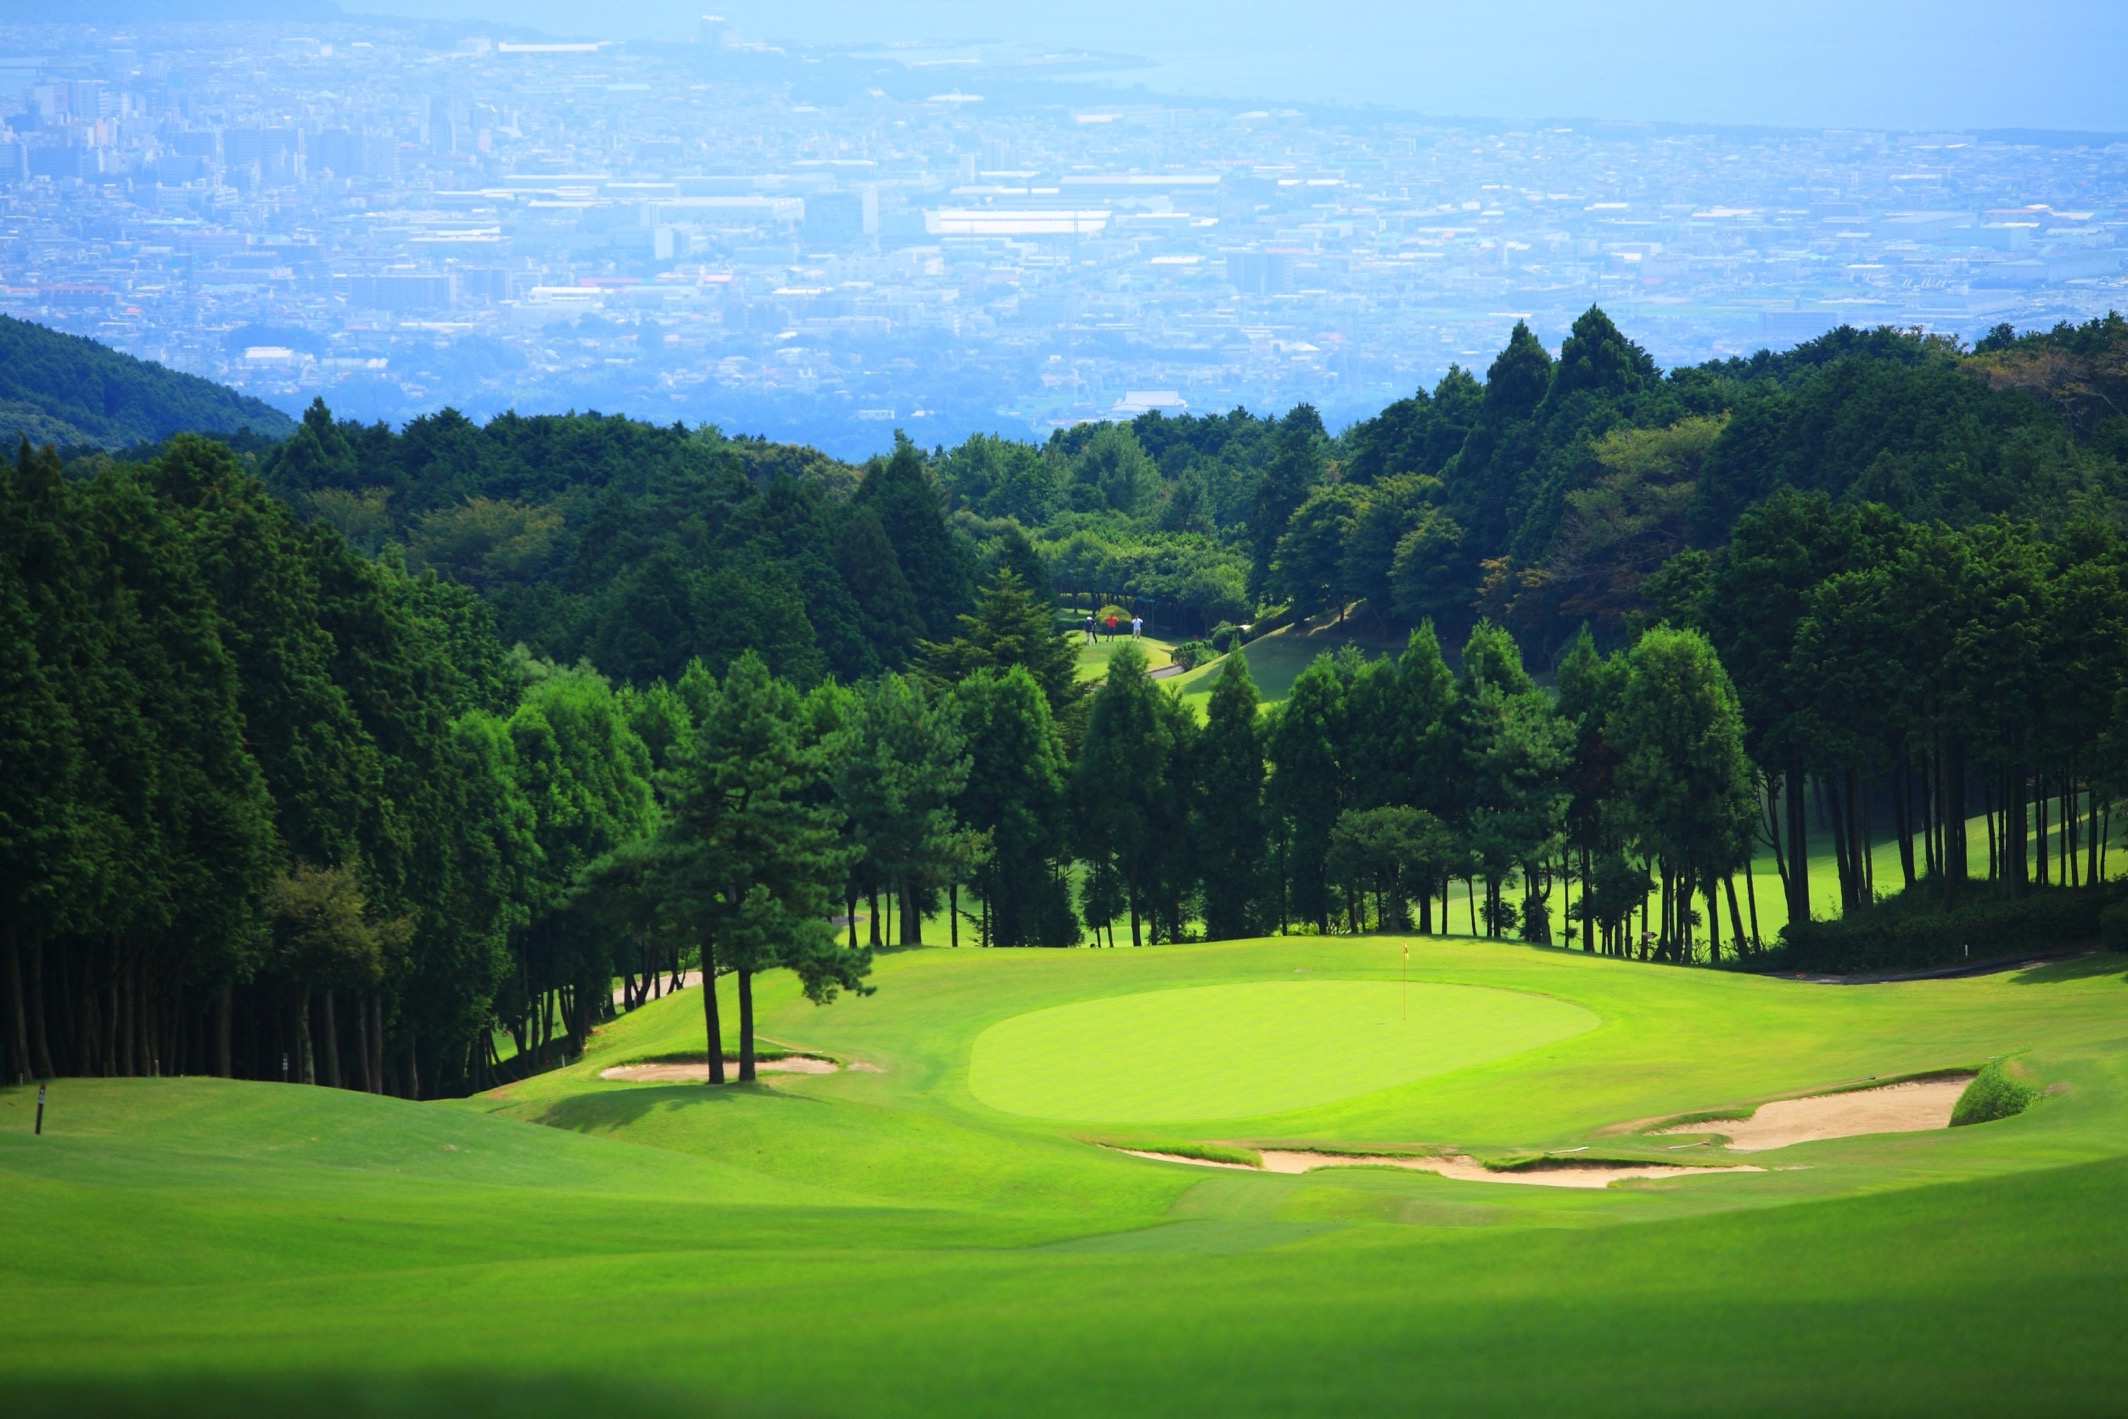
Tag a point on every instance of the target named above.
point(1912, 1107)
point(698, 1073)
point(1550, 1172)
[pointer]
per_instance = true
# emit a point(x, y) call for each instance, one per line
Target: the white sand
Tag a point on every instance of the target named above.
point(1553, 1173)
point(699, 1073)
point(1893, 1108)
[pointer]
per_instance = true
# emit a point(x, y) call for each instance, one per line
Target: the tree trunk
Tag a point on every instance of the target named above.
point(2094, 871)
point(2016, 830)
point(1798, 846)
point(1954, 845)
point(413, 1068)
point(1736, 918)
point(306, 1062)
point(1751, 896)
point(1829, 812)
point(709, 1012)
point(1714, 922)
point(332, 1040)
point(362, 1041)
point(223, 1009)
point(376, 1041)
point(746, 1026)
point(953, 915)
point(1903, 815)
point(2071, 830)
point(40, 1043)
point(1866, 837)
point(18, 1016)
point(912, 918)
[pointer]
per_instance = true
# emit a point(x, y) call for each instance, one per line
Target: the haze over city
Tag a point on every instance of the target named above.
point(822, 221)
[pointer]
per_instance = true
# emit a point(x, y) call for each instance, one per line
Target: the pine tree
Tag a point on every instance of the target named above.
point(1010, 627)
point(750, 852)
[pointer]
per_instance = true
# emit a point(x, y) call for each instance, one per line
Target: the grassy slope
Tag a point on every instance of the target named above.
point(1276, 660)
point(884, 1243)
point(1094, 656)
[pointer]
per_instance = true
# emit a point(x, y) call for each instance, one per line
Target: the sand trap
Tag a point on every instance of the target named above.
point(699, 1073)
point(1548, 1173)
point(1894, 1108)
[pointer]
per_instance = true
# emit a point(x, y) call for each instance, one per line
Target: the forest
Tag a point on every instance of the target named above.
point(375, 758)
point(74, 393)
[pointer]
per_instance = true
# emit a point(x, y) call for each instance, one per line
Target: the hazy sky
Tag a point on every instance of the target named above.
point(1806, 63)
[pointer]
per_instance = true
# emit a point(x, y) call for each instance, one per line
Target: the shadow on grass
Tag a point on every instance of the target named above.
point(310, 1396)
point(2094, 963)
point(617, 1108)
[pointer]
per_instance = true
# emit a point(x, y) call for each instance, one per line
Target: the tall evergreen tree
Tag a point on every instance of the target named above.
point(1124, 779)
point(1017, 794)
point(1229, 822)
point(750, 853)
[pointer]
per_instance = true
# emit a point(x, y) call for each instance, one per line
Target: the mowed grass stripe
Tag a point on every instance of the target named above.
point(1248, 1050)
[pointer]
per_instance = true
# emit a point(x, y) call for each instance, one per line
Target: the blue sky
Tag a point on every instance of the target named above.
point(1944, 64)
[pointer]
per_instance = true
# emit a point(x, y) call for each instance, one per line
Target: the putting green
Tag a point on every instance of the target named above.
point(1243, 1051)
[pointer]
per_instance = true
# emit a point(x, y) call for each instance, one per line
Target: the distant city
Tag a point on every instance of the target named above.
point(828, 245)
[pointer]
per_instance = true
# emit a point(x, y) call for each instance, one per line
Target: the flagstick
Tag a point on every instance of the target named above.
point(1407, 983)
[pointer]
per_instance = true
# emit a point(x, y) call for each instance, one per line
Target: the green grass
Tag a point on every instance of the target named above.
point(1094, 657)
point(1276, 660)
point(1244, 1051)
point(893, 1242)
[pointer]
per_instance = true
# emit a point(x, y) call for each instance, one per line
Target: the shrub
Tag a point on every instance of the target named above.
point(1993, 1094)
point(1913, 929)
point(1191, 654)
point(2113, 926)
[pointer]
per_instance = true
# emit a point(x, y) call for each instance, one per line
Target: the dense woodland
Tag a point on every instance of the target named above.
point(376, 757)
point(71, 392)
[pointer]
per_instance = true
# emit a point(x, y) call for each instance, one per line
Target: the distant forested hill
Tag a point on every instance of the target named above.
point(1545, 496)
point(641, 547)
point(65, 390)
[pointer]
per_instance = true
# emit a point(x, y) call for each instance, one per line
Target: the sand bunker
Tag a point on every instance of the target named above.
point(698, 1073)
point(1549, 1172)
point(1910, 1107)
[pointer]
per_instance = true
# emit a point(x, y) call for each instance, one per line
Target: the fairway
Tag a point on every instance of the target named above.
point(932, 1228)
point(1241, 1051)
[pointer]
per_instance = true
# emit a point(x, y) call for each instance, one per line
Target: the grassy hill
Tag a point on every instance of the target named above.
point(70, 391)
point(932, 1233)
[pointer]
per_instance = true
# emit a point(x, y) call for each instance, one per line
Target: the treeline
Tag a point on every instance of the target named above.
point(1542, 497)
point(642, 548)
point(1545, 496)
point(1913, 676)
point(240, 809)
point(273, 809)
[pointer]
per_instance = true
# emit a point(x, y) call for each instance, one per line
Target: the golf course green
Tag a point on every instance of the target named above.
point(945, 1225)
point(1241, 1051)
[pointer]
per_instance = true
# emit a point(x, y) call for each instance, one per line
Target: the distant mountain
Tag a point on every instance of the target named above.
point(134, 12)
point(63, 389)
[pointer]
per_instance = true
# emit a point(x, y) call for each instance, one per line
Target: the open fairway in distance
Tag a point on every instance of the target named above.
point(945, 1224)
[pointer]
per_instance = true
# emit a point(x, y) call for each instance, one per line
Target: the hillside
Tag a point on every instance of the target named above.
point(70, 391)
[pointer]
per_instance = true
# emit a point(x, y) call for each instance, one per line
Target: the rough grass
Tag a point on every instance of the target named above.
point(887, 1244)
point(1184, 1148)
